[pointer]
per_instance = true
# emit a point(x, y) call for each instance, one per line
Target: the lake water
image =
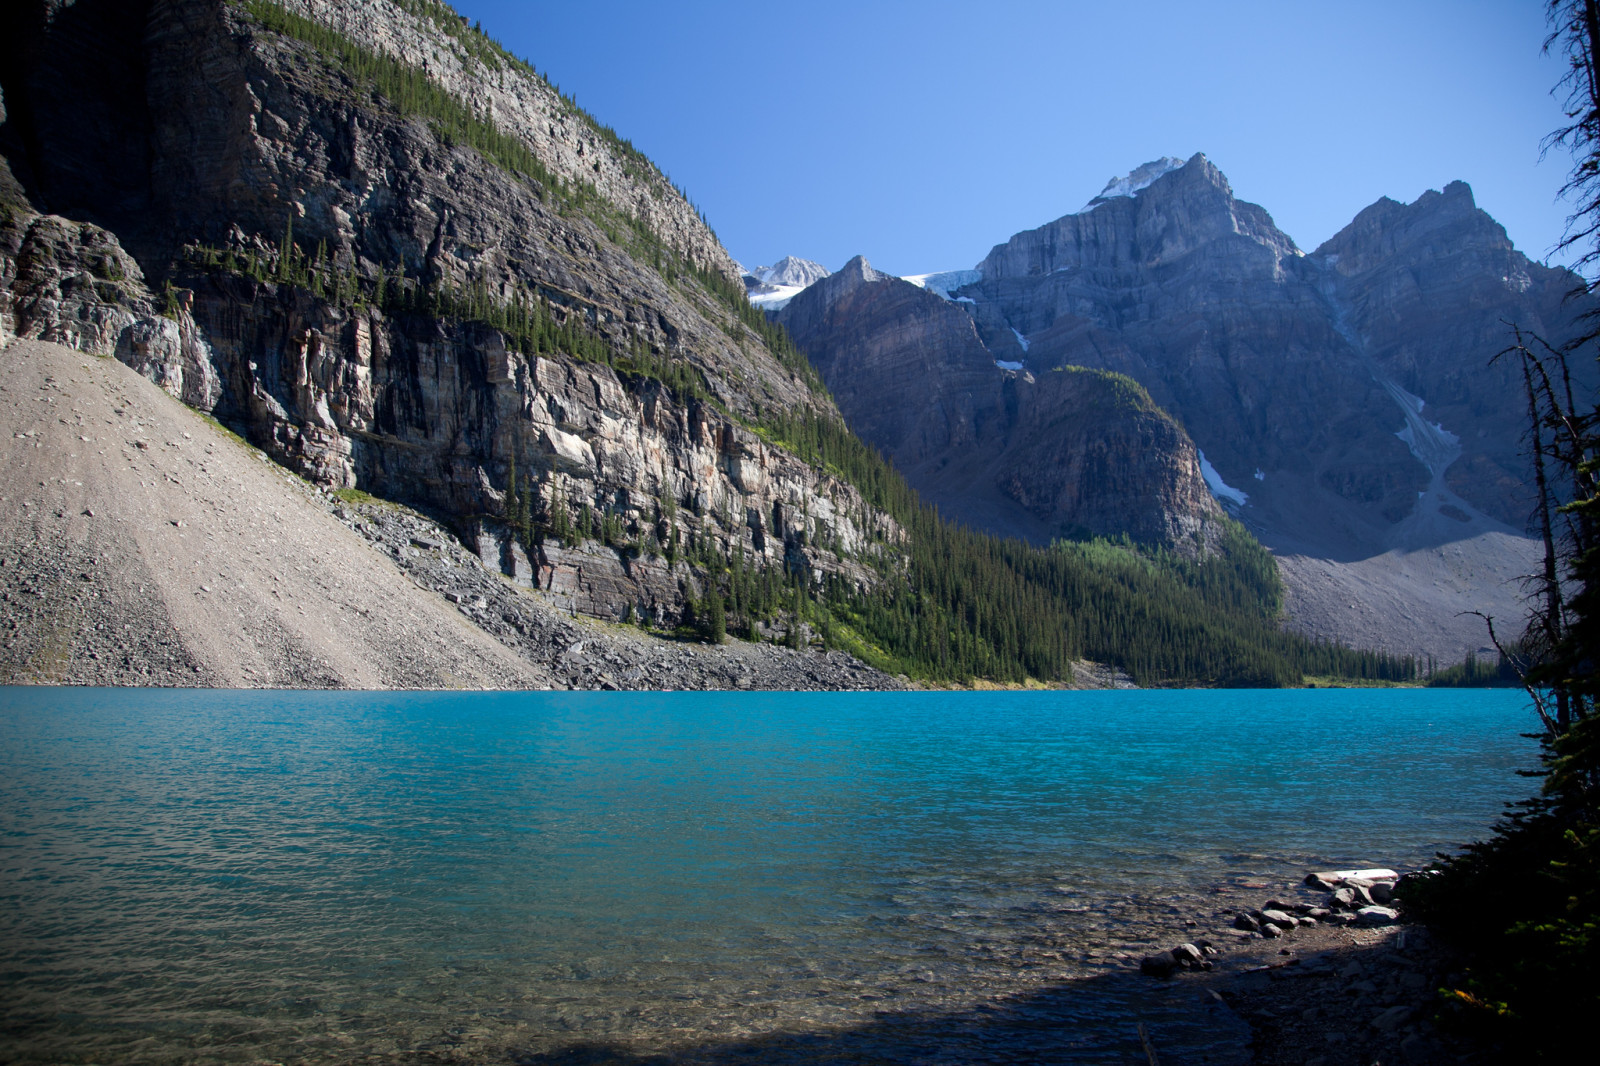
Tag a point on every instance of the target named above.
point(927, 877)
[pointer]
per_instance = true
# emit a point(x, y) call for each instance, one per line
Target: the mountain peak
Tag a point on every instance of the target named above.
point(1448, 218)
point(859, 270)
point(790, 270)
point(772, 287)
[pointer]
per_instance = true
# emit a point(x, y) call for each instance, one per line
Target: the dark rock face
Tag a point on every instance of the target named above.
point(235, 133)
point(1427, 290)
point(1061, 453)
point(907, 370)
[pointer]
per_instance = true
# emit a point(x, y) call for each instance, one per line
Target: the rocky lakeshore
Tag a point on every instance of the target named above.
point(1330, 992)
point(1325, 973)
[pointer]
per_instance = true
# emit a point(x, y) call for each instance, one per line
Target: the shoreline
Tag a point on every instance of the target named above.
point(1326, 994)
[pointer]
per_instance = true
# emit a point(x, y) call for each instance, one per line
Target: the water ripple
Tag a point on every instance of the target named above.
point(241, 876)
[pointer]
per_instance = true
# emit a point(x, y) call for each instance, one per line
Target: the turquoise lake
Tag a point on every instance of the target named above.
point(193, 876)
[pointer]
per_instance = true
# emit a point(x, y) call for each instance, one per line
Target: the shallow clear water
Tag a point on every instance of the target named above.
point(291, 876)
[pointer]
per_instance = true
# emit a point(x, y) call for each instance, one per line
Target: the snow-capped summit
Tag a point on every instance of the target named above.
point(772, 287)
point(1140, 178)
point(791, 270)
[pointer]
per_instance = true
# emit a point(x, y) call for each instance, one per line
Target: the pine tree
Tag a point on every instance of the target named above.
point(716, 618)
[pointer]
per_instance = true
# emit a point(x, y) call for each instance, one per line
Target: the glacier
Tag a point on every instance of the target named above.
point(943, 283)
point(775, 297)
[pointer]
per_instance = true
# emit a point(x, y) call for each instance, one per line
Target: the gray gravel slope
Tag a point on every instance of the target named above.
point(141, 545)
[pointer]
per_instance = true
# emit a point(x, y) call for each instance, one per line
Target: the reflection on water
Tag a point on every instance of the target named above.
point(240, 876)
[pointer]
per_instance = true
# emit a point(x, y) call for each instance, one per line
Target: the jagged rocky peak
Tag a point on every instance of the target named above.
point(856, 272)
point(830, 286)
point(1155, 216)
point(1436, 222)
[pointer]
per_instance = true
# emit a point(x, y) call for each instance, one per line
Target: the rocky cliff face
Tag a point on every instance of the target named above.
point(130, 105)
point(1426, 293)
point(229, 136)
point(1061, 453)
point(1199, 297)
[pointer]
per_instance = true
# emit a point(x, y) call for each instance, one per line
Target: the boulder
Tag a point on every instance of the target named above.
point(1270, 930)
point(1392, 1019)
point(1280, 919)
point(1247, 923)
point(1159, 965)
point(1377, 915)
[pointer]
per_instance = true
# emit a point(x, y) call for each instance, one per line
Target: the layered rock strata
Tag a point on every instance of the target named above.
point(141, 545)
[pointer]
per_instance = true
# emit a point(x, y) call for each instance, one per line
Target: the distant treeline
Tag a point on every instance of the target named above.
point(1475, 673)
point(974, 605)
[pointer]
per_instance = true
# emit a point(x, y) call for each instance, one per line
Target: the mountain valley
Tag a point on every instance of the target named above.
point(393, 257)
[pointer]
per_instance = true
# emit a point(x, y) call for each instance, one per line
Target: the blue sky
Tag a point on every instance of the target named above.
point(921, 134)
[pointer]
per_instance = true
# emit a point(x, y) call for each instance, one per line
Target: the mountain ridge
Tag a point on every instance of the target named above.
point(1331, 392)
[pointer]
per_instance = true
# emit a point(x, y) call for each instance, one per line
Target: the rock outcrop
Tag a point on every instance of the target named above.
point(249, 143)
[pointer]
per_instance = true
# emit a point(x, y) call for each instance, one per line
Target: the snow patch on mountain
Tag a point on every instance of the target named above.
point(1015, 332)
point(1433, 445)
point(944, 282)
point(1007, 364)
point(1220, 488)
point(774, 297)
point(1135, 182)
